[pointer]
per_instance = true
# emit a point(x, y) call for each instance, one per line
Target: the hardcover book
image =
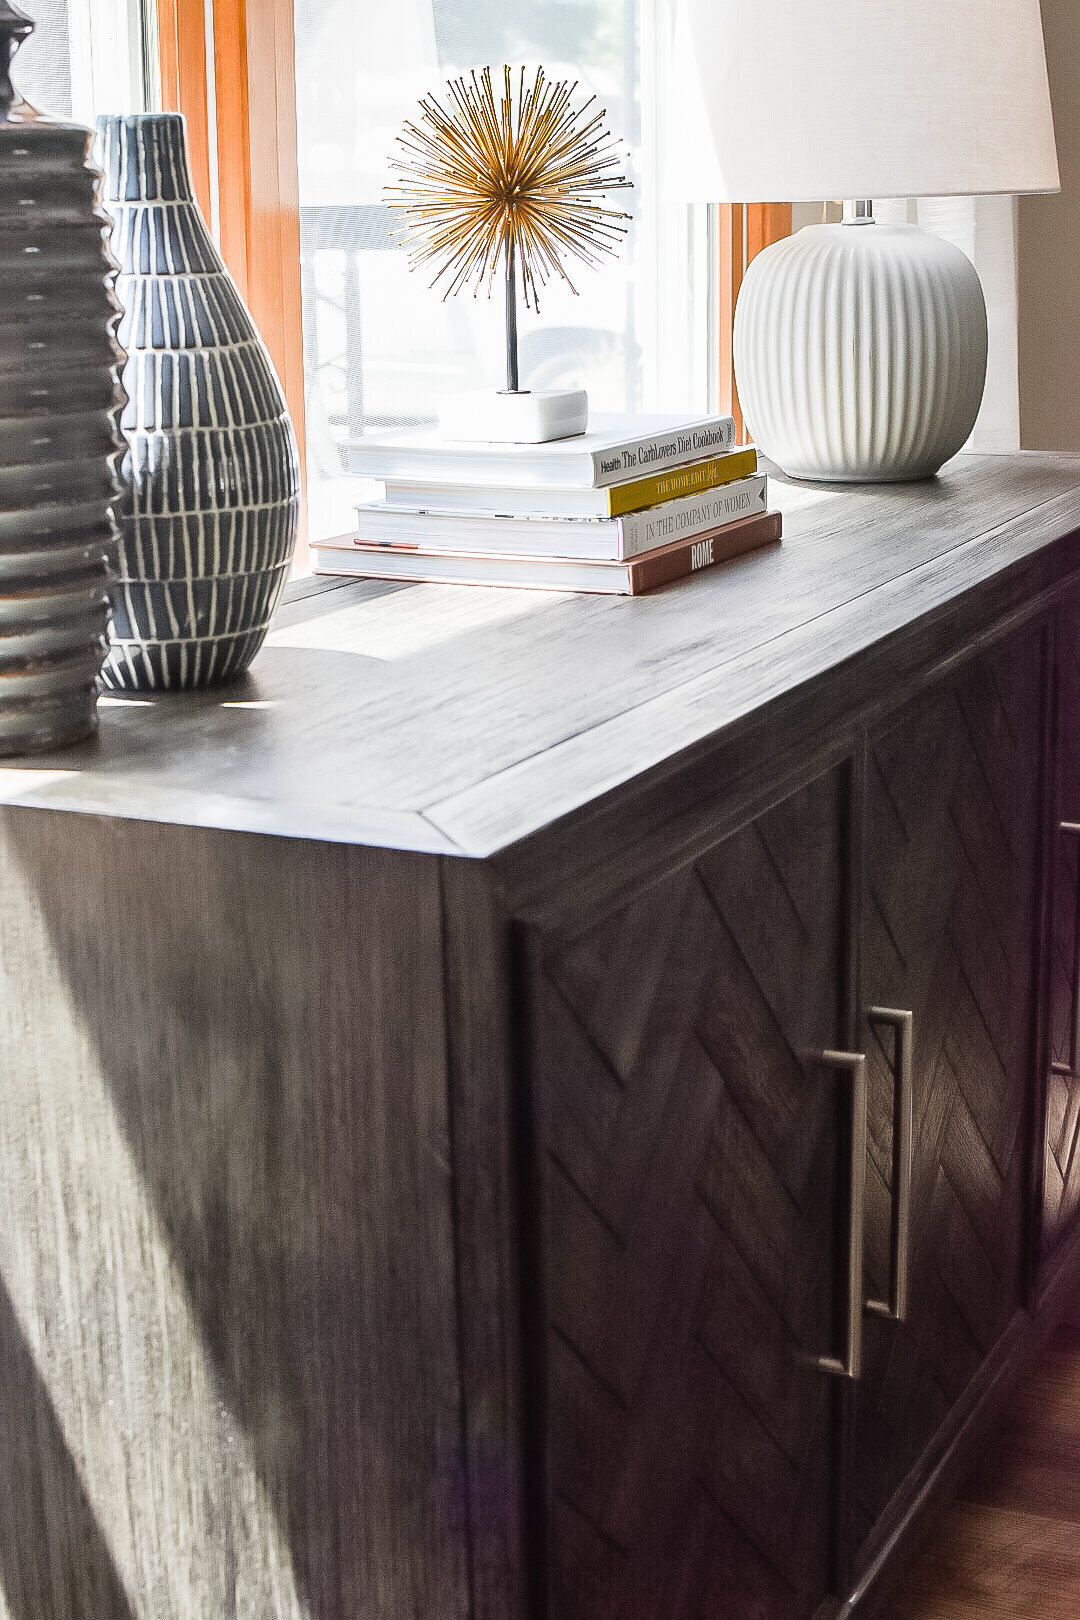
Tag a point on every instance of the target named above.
point(602, 539)
point(629, 578)
point(691, 478)
point(614, 450)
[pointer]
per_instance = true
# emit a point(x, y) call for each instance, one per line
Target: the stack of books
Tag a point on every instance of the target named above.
point(633, 503)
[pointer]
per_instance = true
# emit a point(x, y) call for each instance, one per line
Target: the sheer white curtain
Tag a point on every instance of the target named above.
point(83, 58)
point(361, 68)
point(985, 229)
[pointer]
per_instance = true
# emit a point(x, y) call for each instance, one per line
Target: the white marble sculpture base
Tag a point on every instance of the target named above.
point(522, 418)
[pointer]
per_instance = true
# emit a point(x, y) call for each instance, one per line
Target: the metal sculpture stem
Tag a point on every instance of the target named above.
point(511, 320)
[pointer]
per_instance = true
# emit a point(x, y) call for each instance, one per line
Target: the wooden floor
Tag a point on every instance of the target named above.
point(1010, 1543)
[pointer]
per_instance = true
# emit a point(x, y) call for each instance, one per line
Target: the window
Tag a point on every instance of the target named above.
point(84, 57)
point(380, 347)
point(292, 115)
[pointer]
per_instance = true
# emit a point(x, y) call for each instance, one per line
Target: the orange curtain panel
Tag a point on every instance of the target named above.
point(245, 111)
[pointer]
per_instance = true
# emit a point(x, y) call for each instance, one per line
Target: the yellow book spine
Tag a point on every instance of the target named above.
point(688, 480)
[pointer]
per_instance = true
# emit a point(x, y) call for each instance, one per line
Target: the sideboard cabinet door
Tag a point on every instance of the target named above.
point(1061, 1176)
point(949, 935)
point(690, 1233)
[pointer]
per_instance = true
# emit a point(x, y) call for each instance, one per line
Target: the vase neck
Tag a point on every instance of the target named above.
point(144, 158)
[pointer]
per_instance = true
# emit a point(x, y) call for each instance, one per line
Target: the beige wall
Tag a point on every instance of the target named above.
point(1049, 259)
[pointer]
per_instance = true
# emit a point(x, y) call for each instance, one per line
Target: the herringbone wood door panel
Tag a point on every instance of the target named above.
point(948, 932)
point(1061, 1189)
point(687, 1140)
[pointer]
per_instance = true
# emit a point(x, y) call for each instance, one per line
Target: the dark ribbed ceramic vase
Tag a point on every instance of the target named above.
point(211, 479)
point(58, 404)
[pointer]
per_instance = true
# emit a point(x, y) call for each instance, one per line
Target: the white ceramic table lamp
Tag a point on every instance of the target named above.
point(860, 349)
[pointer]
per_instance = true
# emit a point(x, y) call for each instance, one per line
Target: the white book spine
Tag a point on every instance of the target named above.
point(615, 459)
point(691, 515)
point(613, 539)
point(603, 539)
point(616, 464)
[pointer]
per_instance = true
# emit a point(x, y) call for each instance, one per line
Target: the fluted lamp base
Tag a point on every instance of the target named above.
point(860, 352)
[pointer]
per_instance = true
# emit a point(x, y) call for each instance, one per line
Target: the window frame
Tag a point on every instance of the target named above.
point(743, 230)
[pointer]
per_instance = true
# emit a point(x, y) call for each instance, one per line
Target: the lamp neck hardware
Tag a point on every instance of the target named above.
point(859, 213)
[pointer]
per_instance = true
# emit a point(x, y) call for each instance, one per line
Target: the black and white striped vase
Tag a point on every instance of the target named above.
point(211, 476)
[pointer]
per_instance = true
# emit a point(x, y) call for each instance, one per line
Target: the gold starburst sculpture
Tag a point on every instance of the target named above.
point(511, 184)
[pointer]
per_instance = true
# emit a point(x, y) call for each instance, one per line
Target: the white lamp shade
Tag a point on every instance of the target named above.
point(795, 100)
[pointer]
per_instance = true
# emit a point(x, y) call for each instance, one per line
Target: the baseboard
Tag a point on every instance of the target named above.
point(951, 1453)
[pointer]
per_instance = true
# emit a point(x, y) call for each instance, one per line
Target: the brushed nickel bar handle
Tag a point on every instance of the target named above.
point(853, 1063)
point(901, 1022)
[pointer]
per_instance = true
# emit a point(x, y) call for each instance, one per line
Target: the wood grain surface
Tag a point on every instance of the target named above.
point(452, 719)
point(228, 1323)
point(495, 1270)
point(949, 933)
point(687, 1160)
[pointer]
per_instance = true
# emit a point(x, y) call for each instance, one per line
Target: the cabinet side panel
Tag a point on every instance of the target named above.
point(226, 1278)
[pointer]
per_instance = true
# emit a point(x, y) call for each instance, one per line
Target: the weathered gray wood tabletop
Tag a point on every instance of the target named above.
point(458, 720)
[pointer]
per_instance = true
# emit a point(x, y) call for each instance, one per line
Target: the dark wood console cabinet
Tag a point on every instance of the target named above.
point(545, 1107)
